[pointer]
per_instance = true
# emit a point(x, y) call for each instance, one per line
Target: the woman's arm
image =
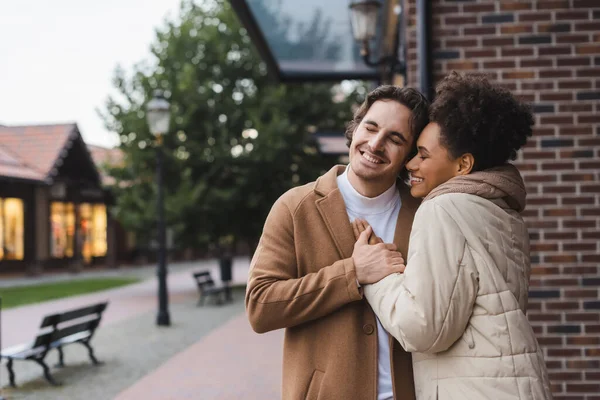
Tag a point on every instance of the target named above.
point(428, 307)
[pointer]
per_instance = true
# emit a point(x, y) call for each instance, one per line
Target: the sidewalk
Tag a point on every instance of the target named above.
point(208, 353)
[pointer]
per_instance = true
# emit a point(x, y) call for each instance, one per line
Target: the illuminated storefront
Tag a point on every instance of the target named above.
point(12, 227)
point(57, 219)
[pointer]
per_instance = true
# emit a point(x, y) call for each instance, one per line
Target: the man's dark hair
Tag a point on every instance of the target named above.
point(479, 118)
point(408, 97)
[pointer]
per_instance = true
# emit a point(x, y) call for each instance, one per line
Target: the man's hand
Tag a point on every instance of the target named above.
point(375, 262)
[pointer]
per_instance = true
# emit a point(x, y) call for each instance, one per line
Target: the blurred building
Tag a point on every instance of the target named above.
point(545, 51)
point(53, 203)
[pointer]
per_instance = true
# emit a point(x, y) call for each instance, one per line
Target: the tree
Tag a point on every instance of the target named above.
point(237, 140)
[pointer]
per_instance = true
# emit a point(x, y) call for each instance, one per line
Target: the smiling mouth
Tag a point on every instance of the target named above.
point(415, 180)
point(370, 158)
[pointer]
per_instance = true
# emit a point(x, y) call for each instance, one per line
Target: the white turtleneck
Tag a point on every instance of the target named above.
point(381, 213)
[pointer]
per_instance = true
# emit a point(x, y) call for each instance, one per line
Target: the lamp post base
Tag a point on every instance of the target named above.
point(162, 319)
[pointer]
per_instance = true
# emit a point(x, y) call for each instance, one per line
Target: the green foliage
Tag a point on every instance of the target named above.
point(21, 295)
point(237, 140)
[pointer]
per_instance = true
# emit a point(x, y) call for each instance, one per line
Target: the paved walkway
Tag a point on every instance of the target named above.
point(208, 353)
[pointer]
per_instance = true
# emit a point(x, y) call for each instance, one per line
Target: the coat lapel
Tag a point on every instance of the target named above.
point(333, 211)
point(405, 220)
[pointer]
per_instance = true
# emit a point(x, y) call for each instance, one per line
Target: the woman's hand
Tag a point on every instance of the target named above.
point(359, 225)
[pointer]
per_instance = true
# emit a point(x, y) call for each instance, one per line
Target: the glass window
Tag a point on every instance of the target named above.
point(62, 231)
point(85, 221)
point(100, 225)
point(311, 37)
point(12, 228)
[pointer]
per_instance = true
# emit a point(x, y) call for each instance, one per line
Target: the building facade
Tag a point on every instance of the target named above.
point(53, 206)
point(548, 53)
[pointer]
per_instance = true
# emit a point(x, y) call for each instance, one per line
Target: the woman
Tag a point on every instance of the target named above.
point(460, 304)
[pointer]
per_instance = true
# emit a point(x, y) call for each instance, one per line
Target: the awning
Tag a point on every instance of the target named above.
point(305, 40)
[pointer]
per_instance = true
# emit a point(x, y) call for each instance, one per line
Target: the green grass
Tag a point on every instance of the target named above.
point(18, 296)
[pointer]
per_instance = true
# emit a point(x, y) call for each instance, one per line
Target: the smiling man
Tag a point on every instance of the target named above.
point(307, 272)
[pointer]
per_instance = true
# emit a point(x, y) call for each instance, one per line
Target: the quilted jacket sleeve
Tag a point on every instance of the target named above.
point(428, 307)
point(276, 297)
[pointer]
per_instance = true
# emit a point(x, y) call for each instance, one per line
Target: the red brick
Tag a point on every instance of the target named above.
point(554, 50)
point(576, 130)
point(499, 64)
point(559, 189)
point(498, 41)
point(560, 212)
point(585, 3)
point(587, 49)
point(552, 4)
point(537, 85)
point(560, 96)
point(591, 212)
point(541, 201)
point(549, 341)
point(593, 26)
point(540, 62)
point(572, 15)
point(557, 166)
point(462, 65)
point(539, 155)
point(582, 317)
point(571, 39)
point(461, 42)
point(565, 376)
point(578, 177)
point(589, 72)
point(564, 353)
point(575, 108)
point(575, 84)
point(578, 200)
point(583, 387)
point(583, 293)
point(560, 235)
point(583, 340)
point(557, 119)
point(460, 19)
point(485, 53)
point(588, 119)
point(517, 51)
point(514, 29)
point(574, 62)
point(534, 16)
point(518, 75)
point(562, 305)
point(479, 30)
point(553, 73)
point(477, 8)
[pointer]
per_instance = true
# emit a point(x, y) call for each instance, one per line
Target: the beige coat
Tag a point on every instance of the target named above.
point(460, 305)
point(302, 278)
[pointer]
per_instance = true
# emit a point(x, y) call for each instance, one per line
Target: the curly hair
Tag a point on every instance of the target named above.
point(479, 118)
point(408, 97)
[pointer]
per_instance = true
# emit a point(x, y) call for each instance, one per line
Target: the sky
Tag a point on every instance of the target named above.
point(57, 57)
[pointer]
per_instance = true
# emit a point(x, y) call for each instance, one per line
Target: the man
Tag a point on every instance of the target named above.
point(308, 268)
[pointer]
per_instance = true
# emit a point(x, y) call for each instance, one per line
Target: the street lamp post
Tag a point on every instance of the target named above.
point(158, 116)
point(364, 14)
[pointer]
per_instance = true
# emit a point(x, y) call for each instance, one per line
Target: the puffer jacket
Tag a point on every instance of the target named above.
point(460, 304)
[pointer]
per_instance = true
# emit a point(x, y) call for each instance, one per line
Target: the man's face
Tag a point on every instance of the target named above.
point(380, 145)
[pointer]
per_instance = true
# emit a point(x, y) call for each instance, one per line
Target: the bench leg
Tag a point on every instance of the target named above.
point(11, 373)
point(61, 359)
point(47, 375)
point(91, 353)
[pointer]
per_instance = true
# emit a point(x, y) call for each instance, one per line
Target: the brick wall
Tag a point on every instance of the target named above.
point(547, 52)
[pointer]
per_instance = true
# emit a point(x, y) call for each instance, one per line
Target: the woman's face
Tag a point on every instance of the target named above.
point(433, 164)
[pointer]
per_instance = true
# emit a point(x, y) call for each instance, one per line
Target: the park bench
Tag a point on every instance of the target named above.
point(56, 331)
point(207, 288)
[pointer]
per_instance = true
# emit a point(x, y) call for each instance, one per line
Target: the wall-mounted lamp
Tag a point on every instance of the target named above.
point(364, 26)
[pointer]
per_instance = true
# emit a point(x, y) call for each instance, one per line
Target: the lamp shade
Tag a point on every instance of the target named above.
point(158, 114)
point(364, 19)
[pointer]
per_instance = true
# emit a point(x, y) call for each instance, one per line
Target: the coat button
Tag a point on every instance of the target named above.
point(368, 329)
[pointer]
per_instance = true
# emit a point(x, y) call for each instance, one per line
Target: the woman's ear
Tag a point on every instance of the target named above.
point(465, 164)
